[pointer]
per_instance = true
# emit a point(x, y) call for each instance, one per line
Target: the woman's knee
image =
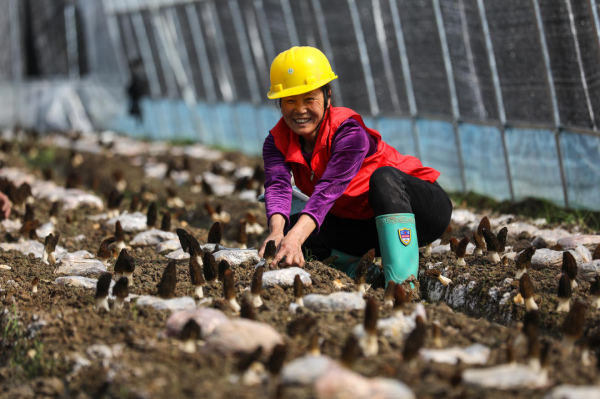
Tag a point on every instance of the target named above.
point(387, 191)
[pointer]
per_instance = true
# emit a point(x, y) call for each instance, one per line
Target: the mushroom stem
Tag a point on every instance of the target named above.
point(102, 303)
point(596, 302)
point(129, 276)
point(369, 345)
point(427, 250)
point(362, 288)
point(563, 305)
point(530, 304)
point(460, 262)
point(585, 357)
point(189, 346)
point(494, 257)
point(119, 245)
point(444, 280)
point(257, 301)
point(573, 284)
point(535, 364)
point(478, 251)
point(520, 273)
point(235, 306)
point(568, 343)
point(198, 291)
point(34, 289)
point(300, 302)
point(388, 303)
point(119, 302)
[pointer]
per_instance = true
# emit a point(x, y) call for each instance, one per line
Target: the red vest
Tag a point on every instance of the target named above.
point(354, 202)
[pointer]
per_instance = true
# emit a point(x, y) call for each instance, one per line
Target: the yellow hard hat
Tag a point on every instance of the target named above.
point(299, 70)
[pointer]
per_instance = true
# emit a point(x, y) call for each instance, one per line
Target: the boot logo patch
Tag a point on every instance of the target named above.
point(405, 236)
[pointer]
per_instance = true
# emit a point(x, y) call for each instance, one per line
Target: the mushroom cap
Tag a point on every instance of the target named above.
point(166, 286)
point(415, 340)
point(103, 285)
point(400, 296)
point(247, 310)
point(223, 265)
point(196, 275)
point(165, 224)
point(389, 290)
point(120, 236)
point(183, 239)
point(433, 273)
point(461, 249)
point(214, 234)
point(103, 251)
point(484, 224)
point(228, 285)
point(524, 259)
point(298, 287)
point(574, 321)
point(564, 286)
point(531, 323)
point(50, 242)
point(242, 236)
point(277, 358)
point(191, 330)
point(121, 288)
point(569, 265)
point(454, 244)
point(270, 250)
point(502, 235)
point(151, 215)
point(363, 266)
point(349, 351)
point(526, 286)
point(595, 286)
point(210, 267)
point(596, 254)
point(491, 241)
point(371, 316)
point(256, 287)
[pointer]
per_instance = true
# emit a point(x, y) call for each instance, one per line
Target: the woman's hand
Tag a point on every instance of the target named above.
point(291, 245)
point(276, 226)
point(291, 249)
point(4, 205)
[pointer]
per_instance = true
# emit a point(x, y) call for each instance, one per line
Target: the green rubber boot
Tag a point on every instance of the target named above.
point(345, 263)
point(399, 246)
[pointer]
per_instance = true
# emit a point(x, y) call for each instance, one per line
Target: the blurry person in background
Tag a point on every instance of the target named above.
point(138, 87)
point(363, 193)
point(4, 205)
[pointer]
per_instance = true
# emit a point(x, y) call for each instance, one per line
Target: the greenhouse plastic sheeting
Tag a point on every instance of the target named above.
point(534, 164)
point(439, 151)
point(485, 169)
point(581, 159)
point(399, 134)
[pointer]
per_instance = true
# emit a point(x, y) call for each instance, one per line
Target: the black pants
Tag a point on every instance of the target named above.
point(390, 191)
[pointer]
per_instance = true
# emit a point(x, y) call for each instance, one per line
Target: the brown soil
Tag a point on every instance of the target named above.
point(150, 365)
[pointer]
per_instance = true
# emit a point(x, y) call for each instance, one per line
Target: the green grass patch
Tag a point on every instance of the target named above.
point(533, 208)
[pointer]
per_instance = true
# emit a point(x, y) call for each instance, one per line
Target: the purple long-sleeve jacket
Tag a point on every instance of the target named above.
point(350, 146)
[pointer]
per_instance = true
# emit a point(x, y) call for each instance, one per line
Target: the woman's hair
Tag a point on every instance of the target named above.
point(326, 89)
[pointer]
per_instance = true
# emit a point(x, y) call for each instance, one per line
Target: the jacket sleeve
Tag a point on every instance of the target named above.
point(349, 148)
point(278, 186)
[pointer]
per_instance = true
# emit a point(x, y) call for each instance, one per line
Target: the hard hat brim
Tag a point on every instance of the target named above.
point(294, 91)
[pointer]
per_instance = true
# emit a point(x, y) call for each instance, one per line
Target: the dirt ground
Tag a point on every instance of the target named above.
point(46, 335)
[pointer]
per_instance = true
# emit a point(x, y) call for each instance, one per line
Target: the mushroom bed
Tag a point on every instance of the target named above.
point(57, 344)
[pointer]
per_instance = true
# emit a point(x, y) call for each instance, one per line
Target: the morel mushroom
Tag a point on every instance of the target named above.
point(368, 342)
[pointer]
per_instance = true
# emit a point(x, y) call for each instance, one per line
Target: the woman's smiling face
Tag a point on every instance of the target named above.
point(304, 112)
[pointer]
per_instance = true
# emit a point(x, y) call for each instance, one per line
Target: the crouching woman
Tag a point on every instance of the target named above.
point(363, 193)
